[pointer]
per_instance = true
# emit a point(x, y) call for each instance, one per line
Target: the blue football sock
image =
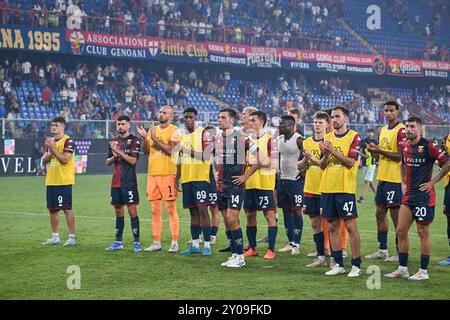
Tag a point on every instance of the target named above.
point(337, 255)
point(298, 227)
point(195, 232)
point(403, 259)
point(319, 239)
point(214, 231)
point(120, 224)
point(135, 228)
point(251, 236)
point(382, 239)
point(424, 260)
point(289, 226)
point(238, 241)
point(230, 241)
point(357, 262)
point(272, 231)
point(206, 234)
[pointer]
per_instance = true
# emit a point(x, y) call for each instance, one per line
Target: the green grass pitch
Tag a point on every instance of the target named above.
point(32, 271)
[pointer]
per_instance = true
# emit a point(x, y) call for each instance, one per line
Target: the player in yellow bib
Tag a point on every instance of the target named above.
point(194, 171)
point(60, 177)
point(446, 147)
point(389, 191)
point(338, 188)
point(159, 144)
point(311, 157)
point(259, 187)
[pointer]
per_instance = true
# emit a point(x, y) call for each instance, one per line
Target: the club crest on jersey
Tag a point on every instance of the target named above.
point(129, 141)
point(420, 149)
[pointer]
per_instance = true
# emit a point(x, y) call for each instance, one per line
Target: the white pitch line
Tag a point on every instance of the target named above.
point(147, 220)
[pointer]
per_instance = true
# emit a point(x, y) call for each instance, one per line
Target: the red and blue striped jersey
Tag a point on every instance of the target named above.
point(124, 174)
point(418, 161)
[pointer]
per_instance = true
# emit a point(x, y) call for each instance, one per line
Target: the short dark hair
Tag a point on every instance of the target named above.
point(342, 108)
point(322, 115)
point(392, 103)
point(370, 130)
point(415, 119)
point(261, 116)
point(59, 119)
point(231, 112)
point(124, 117)
point(328, 111)
point(191, 109)
point(295, 111)
point(210, 128)
point(288, 118)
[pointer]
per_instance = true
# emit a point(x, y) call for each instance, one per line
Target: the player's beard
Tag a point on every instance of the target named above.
point(411, 136)
point(121, 131)
point(337, 126)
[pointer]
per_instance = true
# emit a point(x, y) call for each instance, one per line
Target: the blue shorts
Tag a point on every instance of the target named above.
point(290, 194)
point(422, 214)
point(311, 206)
point(447, 201)
point(389, 194)
point(212, 192)
point(338, 205)
point(124, 196)
point(195, 193)
point(231, 198)
point(259, 200)
point(59, 198)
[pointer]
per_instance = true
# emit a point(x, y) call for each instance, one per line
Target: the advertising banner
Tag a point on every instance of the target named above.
point(152, 48)
point(405, 67)
point(32, 39)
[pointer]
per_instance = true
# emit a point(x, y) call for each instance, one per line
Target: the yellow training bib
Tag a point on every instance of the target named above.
point(313, 171)
point(59, 174)
point(191, 168)
point(263, 178)
point(389, 170)
point(336, 178)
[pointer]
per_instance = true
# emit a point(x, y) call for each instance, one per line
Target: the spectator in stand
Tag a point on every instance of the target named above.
point(142, 24)
point(72, 96)
point(129, 95)
point(63, 95)
point(26, 70)
point(46, 96)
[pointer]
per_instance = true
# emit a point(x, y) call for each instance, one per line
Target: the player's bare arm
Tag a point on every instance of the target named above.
point(303, 164)
point(345, 161)
point(143, 133)
point(178, 175)
point(394, 156)
point(428, 186)
point(239, 180)
point(403, 176)
point(46, 157)
point(324, 160)
point(111, 160)
point(166, 148)
point(64, 158)
point(116, 149)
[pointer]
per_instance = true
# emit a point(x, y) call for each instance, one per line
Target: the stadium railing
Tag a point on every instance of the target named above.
point(105, 129)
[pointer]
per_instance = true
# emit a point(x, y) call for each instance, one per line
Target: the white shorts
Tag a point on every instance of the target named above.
point(370, 173)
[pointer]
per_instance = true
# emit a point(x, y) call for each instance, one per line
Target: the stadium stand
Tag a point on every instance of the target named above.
point(411, 30)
